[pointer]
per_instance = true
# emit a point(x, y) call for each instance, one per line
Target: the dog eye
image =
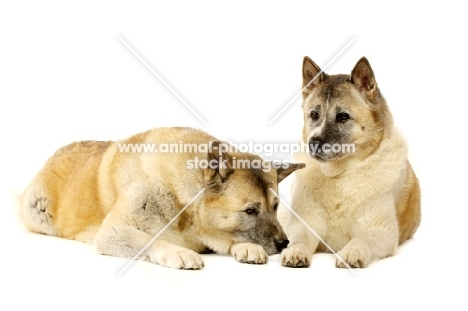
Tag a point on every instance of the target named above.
point(314, 115)
point(252, 211)
point(342, 117)
point(275, 207)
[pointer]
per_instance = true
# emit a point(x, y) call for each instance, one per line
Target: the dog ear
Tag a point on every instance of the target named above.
point(312, 75)
point(219, 165)
point(286, 169)
point(363, 77)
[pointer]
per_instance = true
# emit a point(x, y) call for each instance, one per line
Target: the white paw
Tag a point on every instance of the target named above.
point(178, 258)
point(355, 254)
point(249, 253)
point(296, 256)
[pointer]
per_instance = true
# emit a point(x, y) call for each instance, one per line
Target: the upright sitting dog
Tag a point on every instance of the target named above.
point(94, 192)
point(358, 191)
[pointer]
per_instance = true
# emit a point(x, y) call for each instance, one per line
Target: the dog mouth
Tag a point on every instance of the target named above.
point(321, 157)
point(276, 247)
point(322, 152)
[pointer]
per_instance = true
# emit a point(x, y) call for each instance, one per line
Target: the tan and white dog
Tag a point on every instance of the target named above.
point(358, 190)
point(94, 192)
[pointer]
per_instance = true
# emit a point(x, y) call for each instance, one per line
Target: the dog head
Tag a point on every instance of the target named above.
point(239, 205)
point(344, 115)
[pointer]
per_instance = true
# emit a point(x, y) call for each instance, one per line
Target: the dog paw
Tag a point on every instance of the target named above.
point(179, 259)
point(249, 253)
point(296, 256)
point(356, 255)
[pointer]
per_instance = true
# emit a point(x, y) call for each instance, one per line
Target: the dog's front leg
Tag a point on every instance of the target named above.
point(127, 241)
point(375, 235)
point(119, 239)
point(303, 244)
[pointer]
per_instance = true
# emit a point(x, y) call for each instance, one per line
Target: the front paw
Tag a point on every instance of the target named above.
point(355, 254)
point(249, 253)
point(296, 256)
point(178, 258)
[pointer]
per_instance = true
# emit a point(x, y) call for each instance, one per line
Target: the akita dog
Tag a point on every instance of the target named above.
point(358, 191)
point(96, 192)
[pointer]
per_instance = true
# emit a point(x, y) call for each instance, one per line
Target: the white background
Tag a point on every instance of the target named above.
point(65, 76)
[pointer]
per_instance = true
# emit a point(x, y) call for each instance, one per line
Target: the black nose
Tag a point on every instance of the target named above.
point(281, 244)
point(315, 144)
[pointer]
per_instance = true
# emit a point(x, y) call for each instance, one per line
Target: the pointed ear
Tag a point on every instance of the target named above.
point(286, 169)
point(219, 165)
point(312, 75)
point(363, 77)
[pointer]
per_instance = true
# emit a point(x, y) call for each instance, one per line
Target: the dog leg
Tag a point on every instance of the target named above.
point(173, 256)
point(299, 253)
point(249, 253)
point(127, 241)
point(372, 242)
point(119, 236)
point(303, 244)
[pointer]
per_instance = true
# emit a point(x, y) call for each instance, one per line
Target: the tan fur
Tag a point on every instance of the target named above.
point(362, 204)
point(92, 192)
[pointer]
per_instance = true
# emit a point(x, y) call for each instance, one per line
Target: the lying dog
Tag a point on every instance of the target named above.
point(99, 192)
point(358, 191)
